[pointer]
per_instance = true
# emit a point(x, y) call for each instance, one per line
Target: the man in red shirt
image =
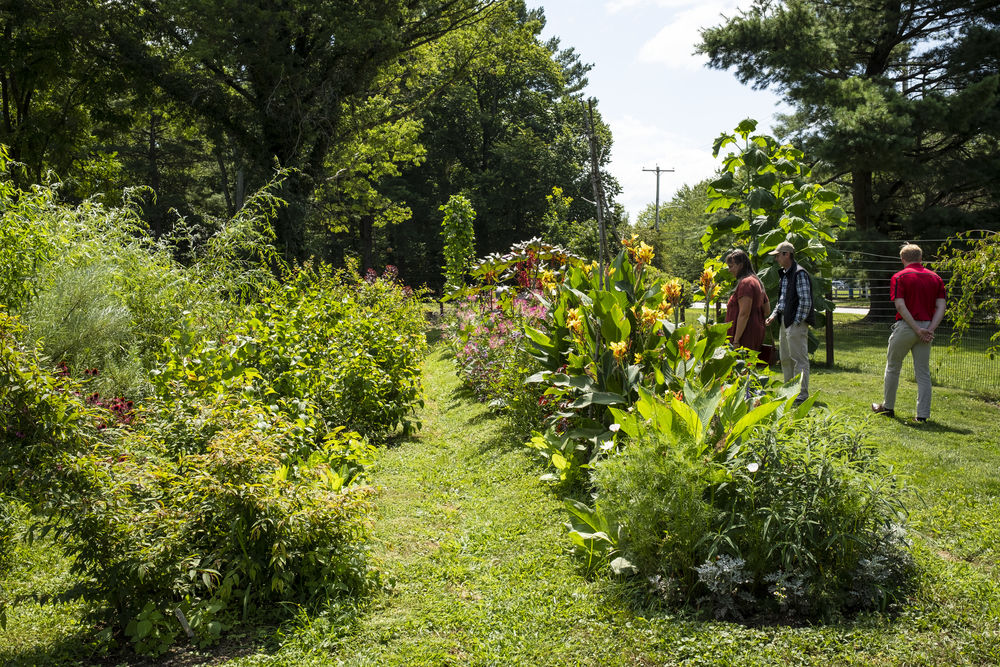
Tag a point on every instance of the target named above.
point(919, 297)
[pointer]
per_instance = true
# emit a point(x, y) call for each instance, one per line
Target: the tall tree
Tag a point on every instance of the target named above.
point(900, 99)
point(505, 132)
point(277, 79)
point(53, 81)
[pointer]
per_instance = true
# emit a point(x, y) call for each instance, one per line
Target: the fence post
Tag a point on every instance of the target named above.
point(829, 337)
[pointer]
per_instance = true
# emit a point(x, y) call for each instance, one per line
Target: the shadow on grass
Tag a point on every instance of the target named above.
point(77, 650)
point(936, 427)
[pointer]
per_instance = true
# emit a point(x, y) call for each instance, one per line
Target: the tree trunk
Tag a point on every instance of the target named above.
point(290, 222)
point(367, 234)
point(880, 307)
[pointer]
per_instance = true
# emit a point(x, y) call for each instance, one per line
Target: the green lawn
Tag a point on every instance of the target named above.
point(473, 545)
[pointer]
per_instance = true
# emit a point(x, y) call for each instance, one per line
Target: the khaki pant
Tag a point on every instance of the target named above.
point(904, 339)
point(794, 348)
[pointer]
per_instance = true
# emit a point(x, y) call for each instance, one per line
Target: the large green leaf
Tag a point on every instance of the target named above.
point(598, 398)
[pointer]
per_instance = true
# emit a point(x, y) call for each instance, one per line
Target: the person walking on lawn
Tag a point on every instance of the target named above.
point(919, 296)
point(795, 306)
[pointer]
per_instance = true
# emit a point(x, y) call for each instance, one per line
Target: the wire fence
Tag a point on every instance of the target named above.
point(864, 315)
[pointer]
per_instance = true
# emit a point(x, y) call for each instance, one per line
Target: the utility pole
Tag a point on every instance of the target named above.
point(595, 179)
point(658, 172)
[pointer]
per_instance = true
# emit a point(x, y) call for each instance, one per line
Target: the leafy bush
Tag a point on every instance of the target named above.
point(234, 486)
point(26, 237)
point(799, 520)
point(325, 347)
point(260, 510)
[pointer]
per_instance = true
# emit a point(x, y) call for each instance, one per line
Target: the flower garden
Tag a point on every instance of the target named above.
point(681, 462)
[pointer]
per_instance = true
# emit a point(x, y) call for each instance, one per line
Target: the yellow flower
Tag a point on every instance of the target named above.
point(619, 349)
point(666, 310)
point(637, 359)
point(706, 280)
point(575, 322)
point(611, 271)
point(672, 291)
point(644, 254)
point(648, 316)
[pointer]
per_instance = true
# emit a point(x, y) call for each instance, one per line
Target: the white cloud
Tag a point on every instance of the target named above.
point(641, 145)
point(615, 6)
point(673, 46)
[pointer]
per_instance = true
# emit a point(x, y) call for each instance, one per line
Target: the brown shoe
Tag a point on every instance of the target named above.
point(880, 409)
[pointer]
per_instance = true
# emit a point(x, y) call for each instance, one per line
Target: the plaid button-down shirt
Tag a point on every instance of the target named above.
point(805, 295)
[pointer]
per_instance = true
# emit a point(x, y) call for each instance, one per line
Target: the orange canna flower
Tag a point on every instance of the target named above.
point(682, 348)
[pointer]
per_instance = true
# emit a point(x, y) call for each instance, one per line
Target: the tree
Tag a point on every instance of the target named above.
point(53, 81)
point(899, 100)
point(972, 262)
point(506, 131)
point(767, 192)
point(279, 81)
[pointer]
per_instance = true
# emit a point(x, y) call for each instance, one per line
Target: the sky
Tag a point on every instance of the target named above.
point(664, 105)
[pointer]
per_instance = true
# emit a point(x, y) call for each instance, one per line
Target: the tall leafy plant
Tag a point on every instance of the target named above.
point(459, 240)
point(972, 259)
point(26, 242)
point(769, 196)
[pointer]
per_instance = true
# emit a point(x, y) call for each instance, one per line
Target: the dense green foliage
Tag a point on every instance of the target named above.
point(898, 102)
point(900, 99)
point(971, 260)
point(799, 521)
point(459, 241)
point(221, 474)
point(769, 196)
point(377, 112)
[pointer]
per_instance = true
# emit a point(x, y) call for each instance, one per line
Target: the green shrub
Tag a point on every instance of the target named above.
point(325, 346)
point(225, 498)
point(26, 237)
point(658, 499)
point(800, 520)
point(240, 526)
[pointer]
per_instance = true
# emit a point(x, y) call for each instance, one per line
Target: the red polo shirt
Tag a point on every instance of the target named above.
point(919, 288)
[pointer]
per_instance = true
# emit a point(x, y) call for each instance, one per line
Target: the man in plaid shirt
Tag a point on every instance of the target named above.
point(795, 306)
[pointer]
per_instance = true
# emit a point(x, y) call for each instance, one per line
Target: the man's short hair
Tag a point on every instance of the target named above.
point(911, 253)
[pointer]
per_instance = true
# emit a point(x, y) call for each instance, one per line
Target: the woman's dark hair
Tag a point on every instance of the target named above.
point(740, 257)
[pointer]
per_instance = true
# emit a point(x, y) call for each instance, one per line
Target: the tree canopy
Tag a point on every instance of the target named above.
point(900, 100)
point(377, 112)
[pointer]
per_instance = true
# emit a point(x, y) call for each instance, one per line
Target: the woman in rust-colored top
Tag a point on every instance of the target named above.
point(748, 306)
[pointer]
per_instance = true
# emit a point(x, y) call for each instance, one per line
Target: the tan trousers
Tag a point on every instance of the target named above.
point(794, 349)
point(904, 339)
